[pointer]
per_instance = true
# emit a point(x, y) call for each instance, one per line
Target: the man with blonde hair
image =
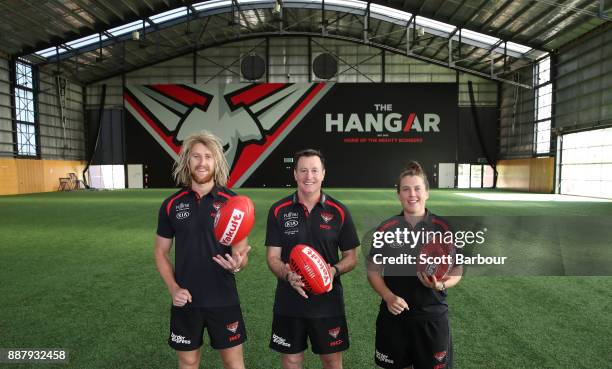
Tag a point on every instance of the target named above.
point(201, 283)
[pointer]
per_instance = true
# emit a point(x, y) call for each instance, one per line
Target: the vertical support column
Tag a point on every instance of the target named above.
point(268, 59)
point(383, 63)
point(309, 59)
point(195, 65)
point(13, 102)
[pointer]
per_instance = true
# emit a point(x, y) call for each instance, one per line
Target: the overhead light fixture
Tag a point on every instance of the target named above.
point(420, 31)
point(277, 7)
point(135, 36)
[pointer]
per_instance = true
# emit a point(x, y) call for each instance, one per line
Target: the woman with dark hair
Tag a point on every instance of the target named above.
point(412, 328)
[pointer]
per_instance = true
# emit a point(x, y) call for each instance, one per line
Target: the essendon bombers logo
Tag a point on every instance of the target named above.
point(334, 332)
point(440, 355)
point(327, 217)
point(250, 121)
point(232, 327)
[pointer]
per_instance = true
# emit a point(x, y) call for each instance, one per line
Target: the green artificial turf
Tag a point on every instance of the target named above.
point(77, 272)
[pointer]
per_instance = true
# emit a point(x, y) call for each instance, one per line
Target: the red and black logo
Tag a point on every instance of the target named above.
point(232, 327)
point(327, 217)
point(440, 355)
point(334, 332)
point(250, 121)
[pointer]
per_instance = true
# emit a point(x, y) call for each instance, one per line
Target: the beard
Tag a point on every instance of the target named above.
point(201, 179)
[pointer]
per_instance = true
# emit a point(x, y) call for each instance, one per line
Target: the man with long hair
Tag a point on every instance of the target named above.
point(201, 283)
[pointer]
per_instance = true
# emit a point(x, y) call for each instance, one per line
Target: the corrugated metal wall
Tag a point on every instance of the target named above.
point(288, 62)
point(517, 118)
point(583, 95)
point(6, 123)
point(52, 143)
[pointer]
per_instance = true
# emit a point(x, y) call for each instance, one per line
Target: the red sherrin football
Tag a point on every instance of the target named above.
point(314, 270)
point(234, 220)
point(435, 249)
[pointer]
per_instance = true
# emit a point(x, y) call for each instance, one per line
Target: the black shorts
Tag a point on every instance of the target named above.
point(224, 324)
point(424, 344)
point(327, 335)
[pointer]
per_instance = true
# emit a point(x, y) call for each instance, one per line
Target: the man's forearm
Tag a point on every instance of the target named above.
point(166, 271)
point(347, 263)
point(277, 267)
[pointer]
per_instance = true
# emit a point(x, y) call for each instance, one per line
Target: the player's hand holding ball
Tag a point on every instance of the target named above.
point(295, 281)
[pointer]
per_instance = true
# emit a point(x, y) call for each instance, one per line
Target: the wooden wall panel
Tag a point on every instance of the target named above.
point(18, 176)
point(29, 176)
point(532, 175)
point(53, 170)
point(8, 177)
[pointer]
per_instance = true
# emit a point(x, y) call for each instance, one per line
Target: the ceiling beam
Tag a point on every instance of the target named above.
point(99, 27)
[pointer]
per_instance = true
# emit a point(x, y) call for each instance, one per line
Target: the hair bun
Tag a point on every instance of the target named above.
point(414, 166)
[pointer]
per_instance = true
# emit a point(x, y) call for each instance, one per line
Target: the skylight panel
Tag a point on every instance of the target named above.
point(389, 12)
point(205, 5)
point(126, 28)
point(169, 15)
point(430, 23)
point(347, 3)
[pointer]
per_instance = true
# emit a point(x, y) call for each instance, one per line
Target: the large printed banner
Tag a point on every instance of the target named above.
point(366, 131)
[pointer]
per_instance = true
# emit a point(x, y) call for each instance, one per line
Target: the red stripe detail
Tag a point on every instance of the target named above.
point(255, 93)
point(409, 122)
point(338, 208)
point(172, 200)
point(181, 94)
point(253, 151)
point(387, 225)
point(440, 223)
point(224, 195)
point(167, 139)
point(276, 209)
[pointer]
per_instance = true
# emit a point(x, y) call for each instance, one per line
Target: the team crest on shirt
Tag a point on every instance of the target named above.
point(334, 332)
point(327, 217)
point(217, 205)
point(232, 327)
point(440, 355)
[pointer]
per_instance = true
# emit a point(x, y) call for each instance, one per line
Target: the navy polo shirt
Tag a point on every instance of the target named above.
point(189, 219)
point(328, 228)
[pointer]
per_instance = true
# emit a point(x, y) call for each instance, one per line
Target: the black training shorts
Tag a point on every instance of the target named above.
point(422, 343)
point(224, 324)
point(327, 335)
